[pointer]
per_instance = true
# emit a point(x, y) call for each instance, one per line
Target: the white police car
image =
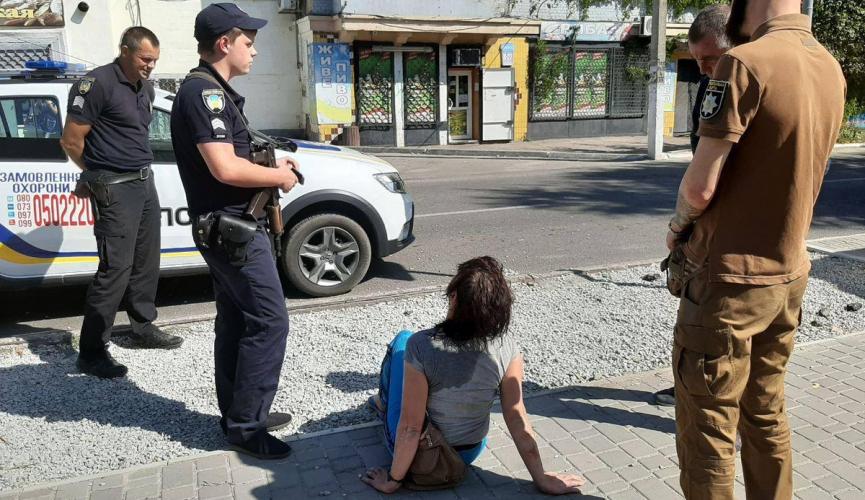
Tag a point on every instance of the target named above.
point(352, 207)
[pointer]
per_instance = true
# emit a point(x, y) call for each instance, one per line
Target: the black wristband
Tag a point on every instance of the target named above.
point(390, 478)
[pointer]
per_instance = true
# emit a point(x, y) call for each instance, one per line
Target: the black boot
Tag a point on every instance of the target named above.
point(102, 366)
point(264, 446)
point(154, 338)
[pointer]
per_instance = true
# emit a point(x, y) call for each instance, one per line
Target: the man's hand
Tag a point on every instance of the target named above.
point(672, 240)
point(377, 478)
point(553, 483)
point(286, 174)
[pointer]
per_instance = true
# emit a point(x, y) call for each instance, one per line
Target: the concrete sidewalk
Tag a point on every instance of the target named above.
point(606, 431)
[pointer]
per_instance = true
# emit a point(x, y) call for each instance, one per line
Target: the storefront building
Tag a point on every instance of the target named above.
point(376, 72)
point(405, 81)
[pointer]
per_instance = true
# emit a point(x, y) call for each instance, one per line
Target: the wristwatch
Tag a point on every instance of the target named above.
point(391, 478)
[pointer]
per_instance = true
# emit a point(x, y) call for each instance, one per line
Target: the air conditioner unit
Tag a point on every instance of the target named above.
point(289, 6)
point(466, 57)
point(646, 25)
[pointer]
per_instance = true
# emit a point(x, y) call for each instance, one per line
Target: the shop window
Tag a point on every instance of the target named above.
point(584, 83)
point(590, 84)
point(421, 89)
point(30, 128)
point(550, 83)
point(375, 88)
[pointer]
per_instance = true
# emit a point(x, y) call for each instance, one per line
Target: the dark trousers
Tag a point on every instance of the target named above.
point(128, 242)
point(251, 330)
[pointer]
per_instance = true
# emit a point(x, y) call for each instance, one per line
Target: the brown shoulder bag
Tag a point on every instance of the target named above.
point(436, 465)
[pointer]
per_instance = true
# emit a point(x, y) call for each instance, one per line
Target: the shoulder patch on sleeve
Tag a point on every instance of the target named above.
point(85, 84)
point(214, 100)
point(218, 127)
point(713, 99)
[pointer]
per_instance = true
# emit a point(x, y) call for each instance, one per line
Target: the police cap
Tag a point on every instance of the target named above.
point(219, 18)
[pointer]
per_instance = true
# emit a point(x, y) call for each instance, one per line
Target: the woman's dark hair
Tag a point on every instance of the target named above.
point(482, 302)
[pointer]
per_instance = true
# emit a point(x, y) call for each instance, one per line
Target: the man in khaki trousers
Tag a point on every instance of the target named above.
point(768, 122)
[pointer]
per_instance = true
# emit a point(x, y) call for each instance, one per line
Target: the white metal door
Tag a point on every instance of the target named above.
point(497, 123)
point(459, 104)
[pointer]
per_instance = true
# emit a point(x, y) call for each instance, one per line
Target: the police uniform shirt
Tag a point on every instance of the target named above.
point(119, 114)
point(202, 114)
point(780, 99)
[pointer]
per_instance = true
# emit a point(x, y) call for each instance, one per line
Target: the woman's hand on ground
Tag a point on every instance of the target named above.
point(377, 478)
point(554, 483)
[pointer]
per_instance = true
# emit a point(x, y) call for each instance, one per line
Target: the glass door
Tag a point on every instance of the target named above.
point(459, 104)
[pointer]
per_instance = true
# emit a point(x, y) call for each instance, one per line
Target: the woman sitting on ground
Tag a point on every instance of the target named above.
point(452, 373)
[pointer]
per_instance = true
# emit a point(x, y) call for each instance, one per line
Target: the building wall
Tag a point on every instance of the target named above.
point(561, 10)
point(274, 86)
point(470, 9)
point(493, 59)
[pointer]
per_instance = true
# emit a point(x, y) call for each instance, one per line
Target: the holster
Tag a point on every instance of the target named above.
point(674, 266)
point(202, 230)
point(234, 235)
point(679, 270)
point(229, 232)
point(91, 184)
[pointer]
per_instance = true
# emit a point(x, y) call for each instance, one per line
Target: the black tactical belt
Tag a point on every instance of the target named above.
point(111, 178)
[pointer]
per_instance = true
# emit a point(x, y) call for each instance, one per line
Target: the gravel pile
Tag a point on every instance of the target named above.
point(55, 423)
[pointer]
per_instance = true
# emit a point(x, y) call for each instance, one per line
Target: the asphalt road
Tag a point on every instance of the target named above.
point(536, 216)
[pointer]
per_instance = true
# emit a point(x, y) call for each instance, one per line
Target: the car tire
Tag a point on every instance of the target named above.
point(326, 255)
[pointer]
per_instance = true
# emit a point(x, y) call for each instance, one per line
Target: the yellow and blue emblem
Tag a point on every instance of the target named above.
point(214, 100)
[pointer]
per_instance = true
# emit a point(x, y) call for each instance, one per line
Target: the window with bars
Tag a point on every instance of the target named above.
point(420, 89)
point(374, 87)
point(582, 83)
point(14, 58)
point(550, 84)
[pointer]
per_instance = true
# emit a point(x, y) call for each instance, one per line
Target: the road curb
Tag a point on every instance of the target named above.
point(500, 154)
point(505, 154)
point(69, 337)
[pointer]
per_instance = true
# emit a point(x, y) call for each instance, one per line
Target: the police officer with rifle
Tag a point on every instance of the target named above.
point(231, 178)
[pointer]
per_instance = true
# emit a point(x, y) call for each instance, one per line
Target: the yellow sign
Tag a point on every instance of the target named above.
point(38, 14)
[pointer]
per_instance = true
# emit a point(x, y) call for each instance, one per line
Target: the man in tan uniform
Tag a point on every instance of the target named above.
point(769, 120)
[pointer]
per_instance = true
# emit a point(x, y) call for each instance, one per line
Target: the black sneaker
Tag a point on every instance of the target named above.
point(666, 397)
point(102, 366)
point(263, 446)
point(277, 420)
point(154, 338)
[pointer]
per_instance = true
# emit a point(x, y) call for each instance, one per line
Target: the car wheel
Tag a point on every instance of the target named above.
point(326, 254)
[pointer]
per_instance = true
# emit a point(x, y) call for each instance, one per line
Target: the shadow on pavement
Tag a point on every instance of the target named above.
point(352, 381)
point(55, 391)
point(634, 188)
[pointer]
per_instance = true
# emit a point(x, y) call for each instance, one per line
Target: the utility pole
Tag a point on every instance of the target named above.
point(657, 59)
point(808, 8)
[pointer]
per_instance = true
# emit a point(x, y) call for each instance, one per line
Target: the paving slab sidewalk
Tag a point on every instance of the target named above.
point(607, 430)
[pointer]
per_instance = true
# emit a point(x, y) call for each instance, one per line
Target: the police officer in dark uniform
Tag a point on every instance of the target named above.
point(212, 142)
point(106, 135)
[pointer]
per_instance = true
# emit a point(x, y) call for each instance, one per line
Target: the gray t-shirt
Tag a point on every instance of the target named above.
point(463, 382)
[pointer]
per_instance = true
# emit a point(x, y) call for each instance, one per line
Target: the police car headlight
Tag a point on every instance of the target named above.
point(392, 182)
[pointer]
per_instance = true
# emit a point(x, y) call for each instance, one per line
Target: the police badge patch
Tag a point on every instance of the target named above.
point(85, 84)
point(214, 100)
point(713, 99)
